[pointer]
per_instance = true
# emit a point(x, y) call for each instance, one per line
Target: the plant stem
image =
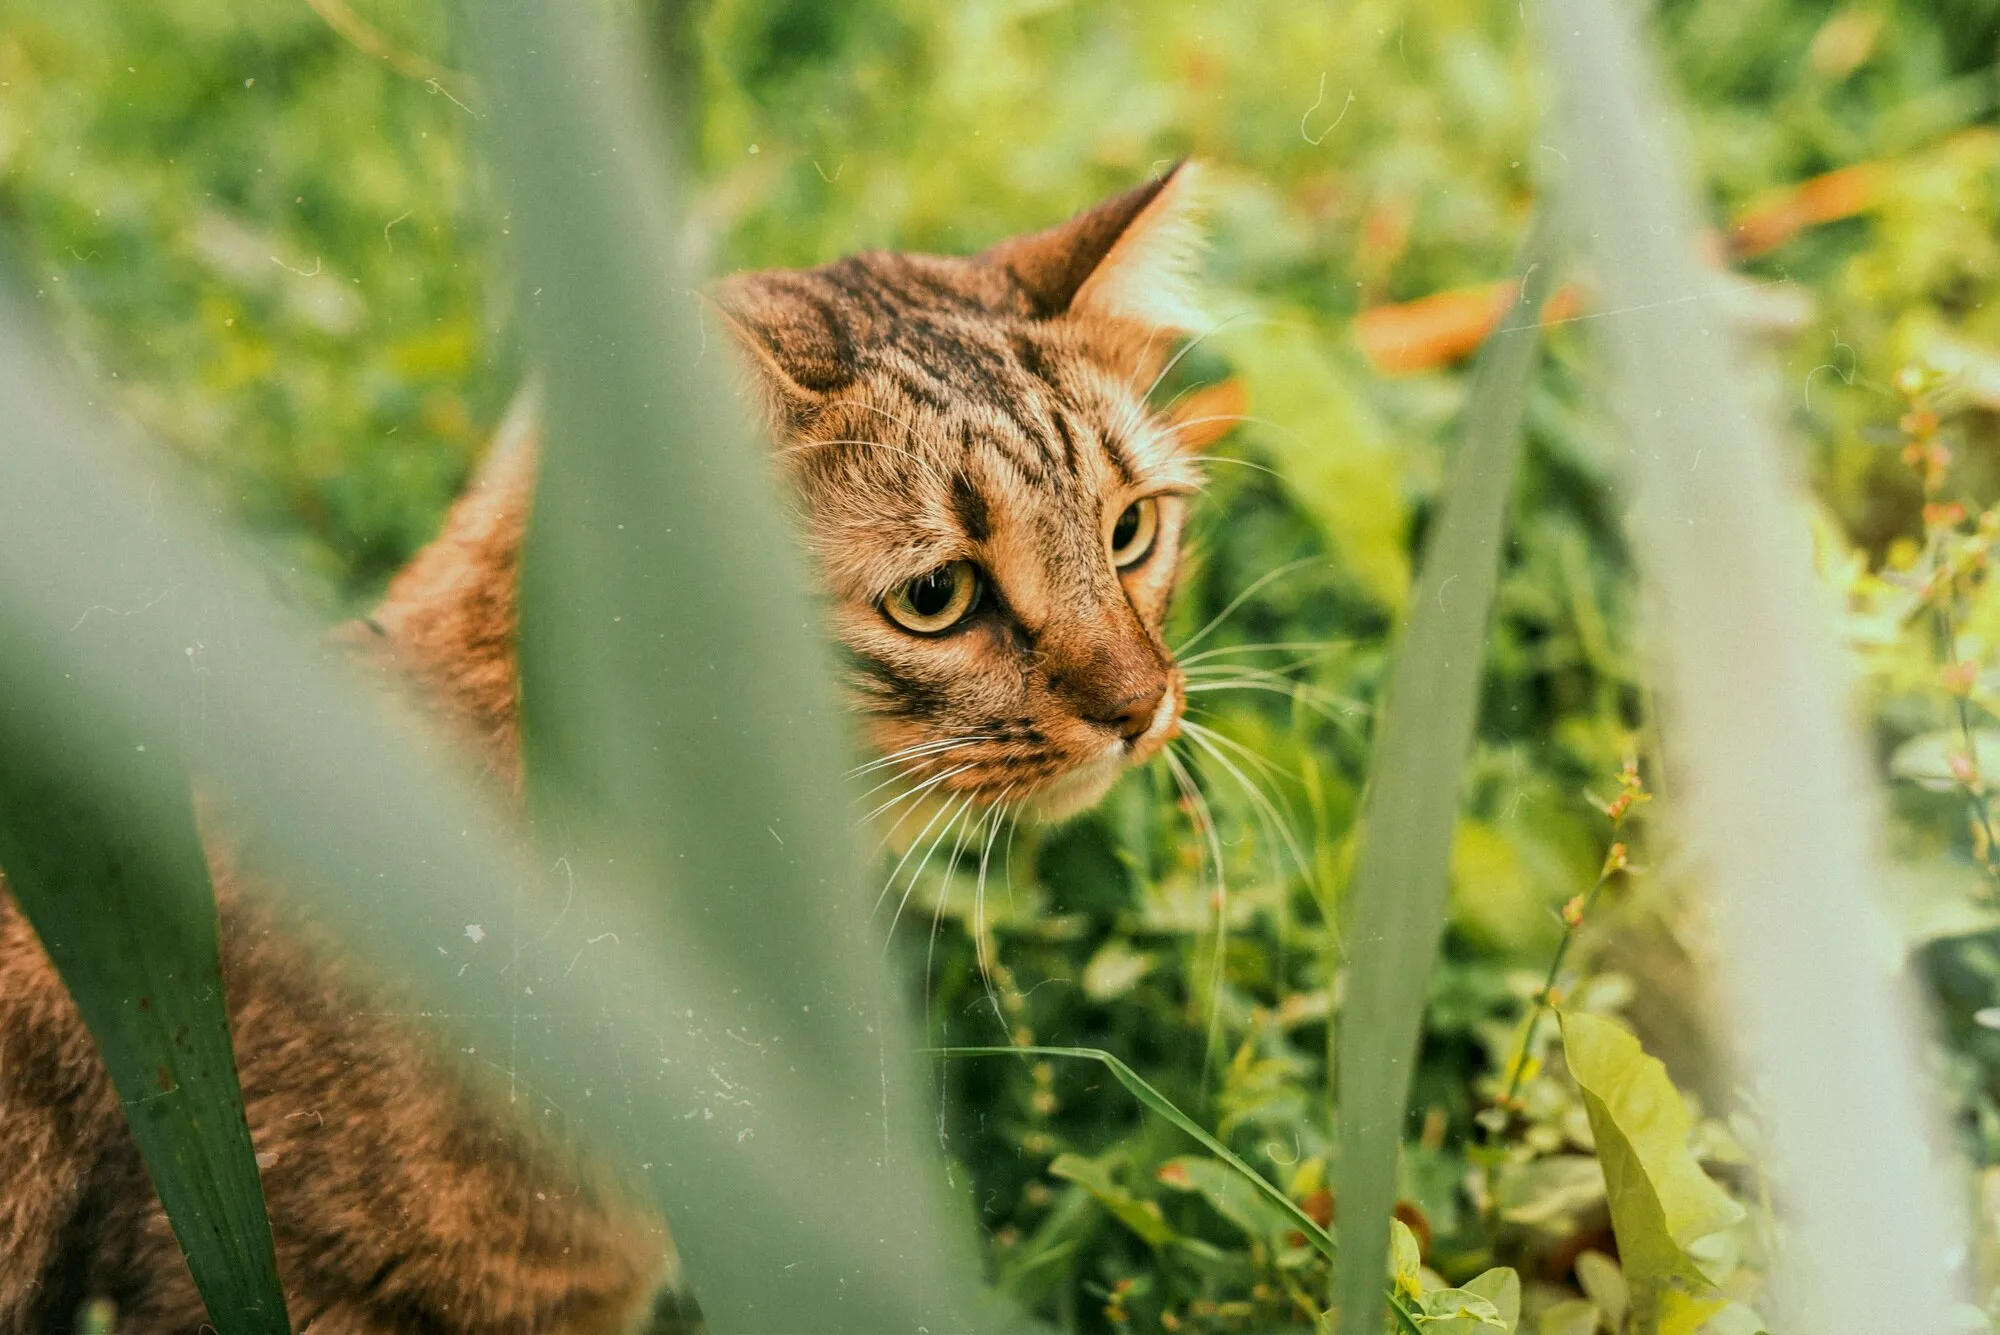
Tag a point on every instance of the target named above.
point(1542, 1004)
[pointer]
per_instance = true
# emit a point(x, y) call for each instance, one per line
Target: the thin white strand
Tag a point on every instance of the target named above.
point(910, 886)
point(1207, 739)
point(1239, 600)
point(897, 871)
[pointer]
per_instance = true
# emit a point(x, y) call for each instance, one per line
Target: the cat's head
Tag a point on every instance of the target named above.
point(996, 513)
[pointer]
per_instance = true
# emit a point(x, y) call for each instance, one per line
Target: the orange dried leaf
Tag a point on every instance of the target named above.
point(1778, 217)
point(1446, 327)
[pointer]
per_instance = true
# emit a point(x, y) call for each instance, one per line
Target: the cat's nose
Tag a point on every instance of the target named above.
point(1130, 717)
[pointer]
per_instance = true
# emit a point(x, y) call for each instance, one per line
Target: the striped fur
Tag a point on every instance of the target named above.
point(991, 409)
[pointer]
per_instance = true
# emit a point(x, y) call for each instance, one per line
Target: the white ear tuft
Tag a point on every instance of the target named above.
point(1148, 274)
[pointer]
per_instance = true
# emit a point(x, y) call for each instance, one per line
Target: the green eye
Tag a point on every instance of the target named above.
point(1132, 536)
point(934, 602)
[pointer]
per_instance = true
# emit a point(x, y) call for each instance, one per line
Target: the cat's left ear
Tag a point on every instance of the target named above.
point(1131, 257)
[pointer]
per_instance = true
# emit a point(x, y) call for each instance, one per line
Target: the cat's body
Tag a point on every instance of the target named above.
point(995, 516)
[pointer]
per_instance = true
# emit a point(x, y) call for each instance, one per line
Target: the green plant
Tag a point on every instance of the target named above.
point(334, 398)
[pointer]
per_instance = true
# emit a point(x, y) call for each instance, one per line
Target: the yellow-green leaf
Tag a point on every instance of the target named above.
point(1406, 1260)
point(1487, 1303)
point(1681, 1313)
point(1661, 1201)
point(1501, 1288)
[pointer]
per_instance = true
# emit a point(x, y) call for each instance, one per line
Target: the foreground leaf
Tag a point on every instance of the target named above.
point(1661, 1201)
point(114, 881)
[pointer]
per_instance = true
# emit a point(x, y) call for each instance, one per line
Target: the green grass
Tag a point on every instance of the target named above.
point(288, 265)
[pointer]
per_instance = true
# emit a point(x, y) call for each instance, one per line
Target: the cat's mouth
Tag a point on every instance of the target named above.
point(951, 778)
point(1084, 785)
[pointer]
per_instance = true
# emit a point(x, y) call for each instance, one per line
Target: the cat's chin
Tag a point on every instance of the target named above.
point(1079, 790)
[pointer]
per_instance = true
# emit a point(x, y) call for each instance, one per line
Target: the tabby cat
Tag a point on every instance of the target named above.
point(996, 516)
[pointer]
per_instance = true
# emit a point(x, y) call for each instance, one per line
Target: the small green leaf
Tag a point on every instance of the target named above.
point(1460, 1308)
point(1094, 1175)
point(1405, 1318)
point(1604, 1284)
point(1164, 1106)
point(1406, 1260)
point(1225, 1189)
point(1577, 1316)
point(1681, 1313)
point(1114, 970)
point(1661, 1201)
point(1498, 1295)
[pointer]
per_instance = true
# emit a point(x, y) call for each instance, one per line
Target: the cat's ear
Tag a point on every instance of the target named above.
point(1131, 257)
point(796, 351)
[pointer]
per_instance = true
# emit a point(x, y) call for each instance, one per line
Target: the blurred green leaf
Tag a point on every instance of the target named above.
point(680, 735)
point(1460, 1309)
point(1397, 902)
point(1573, 1316)
point(1926, 760)
point(1406, 1261)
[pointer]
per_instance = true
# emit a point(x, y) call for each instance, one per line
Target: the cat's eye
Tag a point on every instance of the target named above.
point(935, 602)
point(1132, 536)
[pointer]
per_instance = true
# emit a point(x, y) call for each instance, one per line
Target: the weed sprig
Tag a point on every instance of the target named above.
point(1617, 858)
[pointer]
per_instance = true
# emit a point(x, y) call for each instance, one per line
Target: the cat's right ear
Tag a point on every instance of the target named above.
point(1130, 258)
point(796, 349)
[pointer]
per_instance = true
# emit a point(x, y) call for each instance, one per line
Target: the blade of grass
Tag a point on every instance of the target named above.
point(1772, 800)
point(1397, 905)
point(1165, 1107)
point(682, 739)
point(113, 879)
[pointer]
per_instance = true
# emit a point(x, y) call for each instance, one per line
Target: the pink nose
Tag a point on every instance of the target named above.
point(1130, 717)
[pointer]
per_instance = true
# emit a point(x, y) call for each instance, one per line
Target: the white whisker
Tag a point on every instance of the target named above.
point(1241, 598)
point(1323, 647)
point(910, 886)
point(874, 444)
point(1335, 713)
point(944, 891)
point(919, 749)
point(1205, 820)
point(982, 945)
point(897, 871)
point(1188, 347)
point(905, 796)
point(1208, 459)
point(1214, 674)
point(1211, 741)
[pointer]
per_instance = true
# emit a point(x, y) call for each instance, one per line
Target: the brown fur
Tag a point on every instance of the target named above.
point(928, 410)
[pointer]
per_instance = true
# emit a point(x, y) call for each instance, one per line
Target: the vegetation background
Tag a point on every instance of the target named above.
point(268, 226)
